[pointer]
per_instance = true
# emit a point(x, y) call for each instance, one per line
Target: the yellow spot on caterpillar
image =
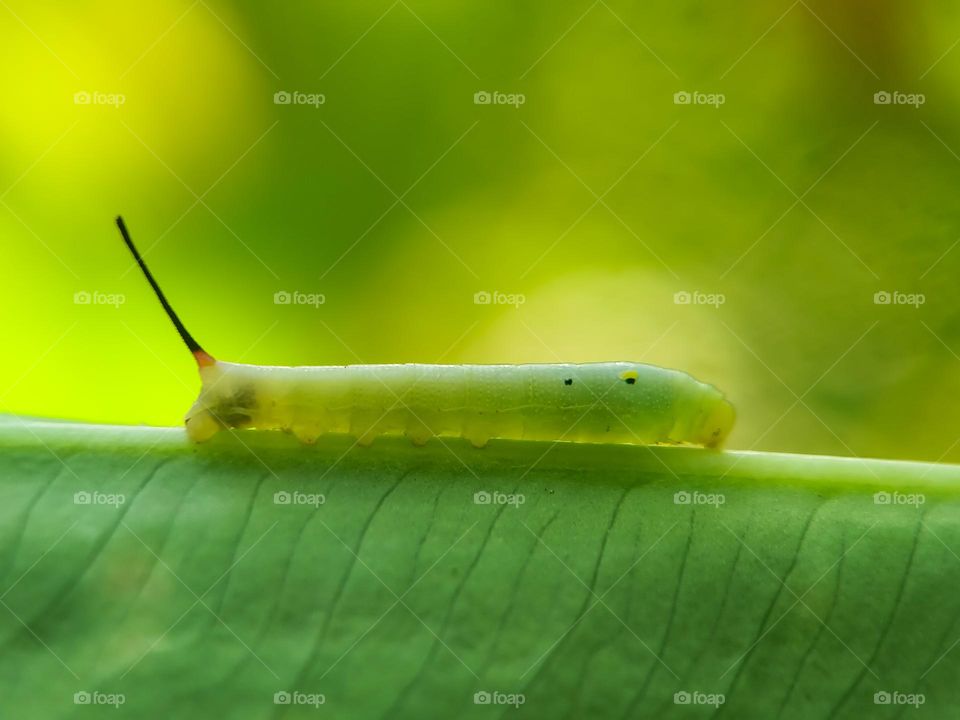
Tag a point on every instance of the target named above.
point(629, 376)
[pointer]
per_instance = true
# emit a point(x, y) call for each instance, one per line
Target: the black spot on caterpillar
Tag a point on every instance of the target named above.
point(620, 402)
point(236, 409)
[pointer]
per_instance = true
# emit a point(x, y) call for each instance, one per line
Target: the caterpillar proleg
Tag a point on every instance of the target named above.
point(614, 402)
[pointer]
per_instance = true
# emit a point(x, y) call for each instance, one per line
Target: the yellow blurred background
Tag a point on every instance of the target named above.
point(591, 165)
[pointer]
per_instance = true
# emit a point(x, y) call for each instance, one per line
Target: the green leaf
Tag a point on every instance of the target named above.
point(586, 587)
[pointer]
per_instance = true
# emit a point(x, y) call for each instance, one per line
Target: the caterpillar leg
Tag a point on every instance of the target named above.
point(366, 439)
point(417, 432)
point(418, 437)
point(478, 431)
point(363, 427)
point(307, 434)
point(477, 438)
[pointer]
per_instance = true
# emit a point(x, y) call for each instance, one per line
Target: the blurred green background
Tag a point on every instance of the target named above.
point(399, 197)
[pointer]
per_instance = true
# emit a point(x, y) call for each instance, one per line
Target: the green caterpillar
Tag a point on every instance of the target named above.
point(617, 402)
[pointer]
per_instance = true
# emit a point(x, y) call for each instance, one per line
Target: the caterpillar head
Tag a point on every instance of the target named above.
point(201, 425)
point(224, 402)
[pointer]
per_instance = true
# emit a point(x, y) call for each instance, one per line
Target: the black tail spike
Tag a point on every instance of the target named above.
point(198, 352)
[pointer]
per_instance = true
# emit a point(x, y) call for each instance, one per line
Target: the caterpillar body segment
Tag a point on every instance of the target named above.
point(616, 402)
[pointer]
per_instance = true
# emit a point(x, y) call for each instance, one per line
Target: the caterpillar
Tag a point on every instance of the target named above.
point(604, 402)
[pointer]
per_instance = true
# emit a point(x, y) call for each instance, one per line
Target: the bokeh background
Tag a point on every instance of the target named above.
point(399, 197)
